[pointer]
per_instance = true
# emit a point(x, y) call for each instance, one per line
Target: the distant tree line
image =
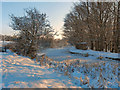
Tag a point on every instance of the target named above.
point(97, 23)
point(8, 38)
point(58, 43)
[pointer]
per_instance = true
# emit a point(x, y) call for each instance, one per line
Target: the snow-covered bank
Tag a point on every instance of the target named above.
point(62, 54)
point(4, 43)
point(87, 72)
point(0, 71)
point(22, 72)
point(102, 74)
point(95, 53)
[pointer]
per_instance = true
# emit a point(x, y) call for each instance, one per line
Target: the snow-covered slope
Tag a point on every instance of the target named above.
point(22, 72)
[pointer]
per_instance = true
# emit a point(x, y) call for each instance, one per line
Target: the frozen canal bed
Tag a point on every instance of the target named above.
point(60, 54)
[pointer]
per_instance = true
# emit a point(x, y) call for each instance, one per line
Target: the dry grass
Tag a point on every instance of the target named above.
point(87, 69)
point(86, 55)
point(100, 57)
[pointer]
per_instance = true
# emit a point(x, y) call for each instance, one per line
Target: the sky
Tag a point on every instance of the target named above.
point(56, 12)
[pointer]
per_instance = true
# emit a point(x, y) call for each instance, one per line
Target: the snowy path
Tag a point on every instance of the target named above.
point(22, 72)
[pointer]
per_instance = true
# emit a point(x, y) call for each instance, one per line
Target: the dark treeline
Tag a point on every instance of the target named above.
point(8, 37)
point(97, 23)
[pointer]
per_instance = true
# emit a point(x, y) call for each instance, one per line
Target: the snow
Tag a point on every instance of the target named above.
point(22, 72)
point(61, 54)
point(40, 54)
point(83, 43)
point(4, 43)
point(60, 69)
point(86, 72)
point(95, 53)
point(0, 71)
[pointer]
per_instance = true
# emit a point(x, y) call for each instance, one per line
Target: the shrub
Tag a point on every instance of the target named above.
point(11, 46)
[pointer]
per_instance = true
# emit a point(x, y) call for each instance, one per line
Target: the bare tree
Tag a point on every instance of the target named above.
point(118, 28)
point(92, 22)
point(31, 26)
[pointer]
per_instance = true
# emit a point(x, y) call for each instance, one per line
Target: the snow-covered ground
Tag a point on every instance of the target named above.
point(22, 72)
point(87, 72)
point(4, 43)
point(61, 54)
point(0, 71)
point(60, 70)
point(95, 53)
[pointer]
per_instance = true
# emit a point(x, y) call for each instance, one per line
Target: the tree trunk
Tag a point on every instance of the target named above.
point(118, 28)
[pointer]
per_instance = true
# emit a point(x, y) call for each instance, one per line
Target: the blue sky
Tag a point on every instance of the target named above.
point(55, 11)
